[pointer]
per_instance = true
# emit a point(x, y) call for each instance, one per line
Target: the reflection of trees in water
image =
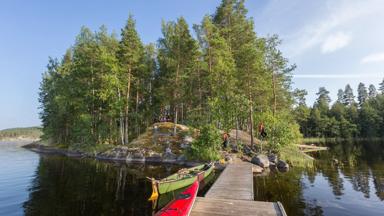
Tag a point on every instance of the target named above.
point(378, 180)
point(347, 162)
point(65, 186)
point(310, 173)
point(312, 208)
point(357, 160)
point(286, 188)
point(359, 177)
point(332, 174)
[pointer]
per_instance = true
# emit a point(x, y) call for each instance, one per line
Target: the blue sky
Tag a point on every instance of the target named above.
point(333, 42)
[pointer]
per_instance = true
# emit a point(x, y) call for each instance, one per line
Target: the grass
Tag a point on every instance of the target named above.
point(295, 157)
point(310, 140)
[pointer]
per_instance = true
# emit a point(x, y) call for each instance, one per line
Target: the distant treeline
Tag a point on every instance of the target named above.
point(108, 89)
point(345, 118)
point(28, 132)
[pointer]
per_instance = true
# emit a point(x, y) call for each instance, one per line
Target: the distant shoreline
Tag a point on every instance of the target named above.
point(18, 139)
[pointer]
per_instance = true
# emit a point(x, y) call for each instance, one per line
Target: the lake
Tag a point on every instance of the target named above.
point(33, 184)
point(352, 185)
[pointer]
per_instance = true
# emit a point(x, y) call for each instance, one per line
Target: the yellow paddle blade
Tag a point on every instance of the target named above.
point(154, 194)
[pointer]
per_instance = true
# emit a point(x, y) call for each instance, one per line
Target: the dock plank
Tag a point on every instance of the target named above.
point(215, 207)
point(232, 194)
point(235, 182)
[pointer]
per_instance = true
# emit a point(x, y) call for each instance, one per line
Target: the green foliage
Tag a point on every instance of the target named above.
point(206, 147)
point(281, 129)
point(28, 132)
point(345, 119)
point(108, 90)
point(295, 157)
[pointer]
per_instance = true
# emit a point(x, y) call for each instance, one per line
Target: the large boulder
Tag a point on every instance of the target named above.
point(273, 158)
point(282, 166)
point(260, 160)
point(257, 169)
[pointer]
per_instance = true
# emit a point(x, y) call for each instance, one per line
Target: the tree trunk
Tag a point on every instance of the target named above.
point(237, 131)
point(176, 95)
point(251, 122)
point(182, 113)
point(126, 124)
point(121, 120)
point(274, 93)
point(137, 109)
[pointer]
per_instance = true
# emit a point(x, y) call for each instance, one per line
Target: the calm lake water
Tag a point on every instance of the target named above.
point(353, 187)
point(33, 184)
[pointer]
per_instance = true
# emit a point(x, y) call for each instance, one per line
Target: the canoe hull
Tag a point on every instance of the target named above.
point(182, 205)
point(167, 186)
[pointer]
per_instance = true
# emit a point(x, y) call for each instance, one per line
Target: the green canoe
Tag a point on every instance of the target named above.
point(183, 178)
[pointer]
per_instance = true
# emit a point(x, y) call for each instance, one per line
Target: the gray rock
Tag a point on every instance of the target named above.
point(169, 156)
point(181, 158)
point(138, 155)
point(247, 150)
point(257, 169)
point(265, 172)
point(228, 158)
point(184, 145)
point(168, 150)
point(282, 166)
point(260, 160)
point(273, 158)
point(188, 139)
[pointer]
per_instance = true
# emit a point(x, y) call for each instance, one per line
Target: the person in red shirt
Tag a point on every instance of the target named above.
point(225, 140)
point(262, 132)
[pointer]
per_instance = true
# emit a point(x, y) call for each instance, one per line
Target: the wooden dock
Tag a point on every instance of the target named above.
point(232, 194)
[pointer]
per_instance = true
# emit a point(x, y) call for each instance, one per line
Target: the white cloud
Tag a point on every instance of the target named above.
point(337, 16)
point(375, 57)
point(335, 41)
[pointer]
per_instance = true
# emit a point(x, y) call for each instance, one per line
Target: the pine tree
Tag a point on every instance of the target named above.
point(372, 92)
point(177, 56)
point(348, 98)
point(220, 70)
point(340, 96)
point(381, 87)
point(362, 94)
point(130, 54)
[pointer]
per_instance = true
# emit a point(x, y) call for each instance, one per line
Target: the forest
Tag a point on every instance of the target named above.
point(346, 117)
point(108, 88)
point(28, 132)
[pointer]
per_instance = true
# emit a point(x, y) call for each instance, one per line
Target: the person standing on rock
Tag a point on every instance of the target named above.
point(262, 132)
point(225, 140)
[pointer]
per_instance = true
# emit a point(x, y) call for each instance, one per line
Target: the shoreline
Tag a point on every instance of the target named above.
point(49, 150)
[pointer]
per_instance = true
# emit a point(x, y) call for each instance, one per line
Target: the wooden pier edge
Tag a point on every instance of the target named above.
point(232, 194)
point(281, 209)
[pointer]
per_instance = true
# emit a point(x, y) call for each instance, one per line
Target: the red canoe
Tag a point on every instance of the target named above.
point(182, 205)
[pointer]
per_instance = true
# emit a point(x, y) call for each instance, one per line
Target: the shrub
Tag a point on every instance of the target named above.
point(206, 147)
point(282, 130)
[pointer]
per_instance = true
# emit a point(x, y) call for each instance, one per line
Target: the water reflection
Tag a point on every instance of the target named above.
point(65, 186)
point(346, 180)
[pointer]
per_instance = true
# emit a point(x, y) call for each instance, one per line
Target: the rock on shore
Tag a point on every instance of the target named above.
point(260, 160)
